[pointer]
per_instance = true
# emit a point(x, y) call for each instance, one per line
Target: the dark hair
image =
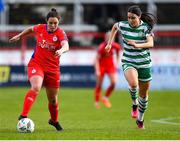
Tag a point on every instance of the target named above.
point(145, 17)
point(53, 13)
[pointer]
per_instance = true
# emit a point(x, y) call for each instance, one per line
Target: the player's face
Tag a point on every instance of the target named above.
point(133, 19)
point(52, 23)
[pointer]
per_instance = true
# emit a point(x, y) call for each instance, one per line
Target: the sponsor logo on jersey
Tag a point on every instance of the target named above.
point(48, 45)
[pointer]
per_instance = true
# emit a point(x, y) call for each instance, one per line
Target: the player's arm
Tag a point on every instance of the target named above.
point(117, 57)
point(148, 44)
point(96, 65)
point(22, 34)
point(117, 51)
point(112, 36)
point(64, 48)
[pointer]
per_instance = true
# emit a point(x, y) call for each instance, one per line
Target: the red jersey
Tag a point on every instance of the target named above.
point(106, 58)
point(46, 45)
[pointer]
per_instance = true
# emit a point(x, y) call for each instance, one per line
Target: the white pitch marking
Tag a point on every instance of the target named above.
point(167, 121)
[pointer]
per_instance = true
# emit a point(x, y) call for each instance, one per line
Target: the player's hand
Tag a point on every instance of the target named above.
point(14, 39)
point(58, 53)
point(108, 47)
point(133, 43)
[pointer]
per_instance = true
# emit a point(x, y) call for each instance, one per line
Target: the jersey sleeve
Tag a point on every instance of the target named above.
point(149, 32)
point(62, 35)
point(100, 49)
point(117, 25)
point(36, 28)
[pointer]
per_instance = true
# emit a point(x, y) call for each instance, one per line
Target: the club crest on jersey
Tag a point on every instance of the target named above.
point(34, 71)
point(141, 33)
point(55, 38)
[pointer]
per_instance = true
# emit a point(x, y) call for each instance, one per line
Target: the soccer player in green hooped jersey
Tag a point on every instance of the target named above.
point(137, 38)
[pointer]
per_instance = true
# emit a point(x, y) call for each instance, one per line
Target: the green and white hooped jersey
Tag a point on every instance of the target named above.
point(138, 57)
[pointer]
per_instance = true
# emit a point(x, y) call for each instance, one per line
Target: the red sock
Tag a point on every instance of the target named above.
point(97, 94)
point(53, 109)
point(28, 102)
point(109, 90)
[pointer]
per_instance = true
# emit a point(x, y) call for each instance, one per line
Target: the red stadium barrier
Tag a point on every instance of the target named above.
point(85, 41)
point(88, 40)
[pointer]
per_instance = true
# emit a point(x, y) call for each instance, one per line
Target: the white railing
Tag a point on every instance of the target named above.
point(85, 28)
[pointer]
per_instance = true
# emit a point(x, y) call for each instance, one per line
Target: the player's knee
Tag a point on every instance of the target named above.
point(133, 85)
point(36, 88)
point(143, 94)
point(52, 101)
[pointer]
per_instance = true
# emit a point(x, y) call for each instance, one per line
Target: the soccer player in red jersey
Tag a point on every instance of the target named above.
point(105, 63)
point(43, 67)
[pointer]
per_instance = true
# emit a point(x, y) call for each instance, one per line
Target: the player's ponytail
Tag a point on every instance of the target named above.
point(149, 19)
point(53, 13)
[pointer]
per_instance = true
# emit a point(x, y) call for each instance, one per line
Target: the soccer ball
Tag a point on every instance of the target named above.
point(25, 125)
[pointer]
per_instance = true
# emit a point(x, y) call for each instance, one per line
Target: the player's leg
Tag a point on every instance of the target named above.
point(53, 106)
point(35, 75)
point(131, 76)
point(51, 82)
point(113, 81)
point(143, 101)
point(97, 93)
point(53, 103)
point(144, 85)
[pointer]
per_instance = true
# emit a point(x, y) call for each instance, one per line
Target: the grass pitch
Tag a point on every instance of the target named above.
point(82, 121)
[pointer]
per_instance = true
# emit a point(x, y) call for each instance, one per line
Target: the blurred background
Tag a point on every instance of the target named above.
point(85, 22)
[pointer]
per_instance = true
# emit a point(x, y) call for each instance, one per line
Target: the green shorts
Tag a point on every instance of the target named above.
point(144, 74)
